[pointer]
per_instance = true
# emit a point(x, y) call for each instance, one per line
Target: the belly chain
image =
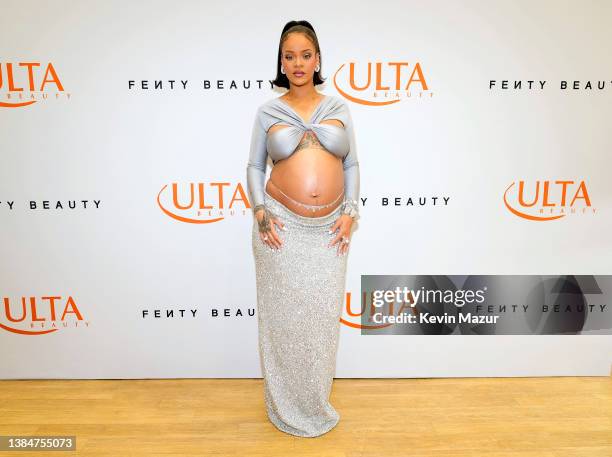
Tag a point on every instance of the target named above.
point(311, 207)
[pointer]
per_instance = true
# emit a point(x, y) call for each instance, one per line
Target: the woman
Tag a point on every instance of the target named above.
point(301, 232)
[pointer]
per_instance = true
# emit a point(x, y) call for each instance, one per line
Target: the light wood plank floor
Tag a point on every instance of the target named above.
point(480, 417)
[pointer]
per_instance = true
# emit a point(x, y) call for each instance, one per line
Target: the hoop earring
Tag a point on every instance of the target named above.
point(282, 70)
point(318, 68)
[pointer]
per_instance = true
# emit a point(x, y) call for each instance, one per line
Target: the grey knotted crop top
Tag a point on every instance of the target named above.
point(282, 143)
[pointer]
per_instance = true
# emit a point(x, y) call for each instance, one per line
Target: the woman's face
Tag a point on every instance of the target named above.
point(299, 59)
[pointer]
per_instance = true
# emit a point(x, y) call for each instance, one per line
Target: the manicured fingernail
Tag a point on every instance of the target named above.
point(329, 231)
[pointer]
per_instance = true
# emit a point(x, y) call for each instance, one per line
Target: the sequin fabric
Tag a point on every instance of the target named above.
point(300, 291)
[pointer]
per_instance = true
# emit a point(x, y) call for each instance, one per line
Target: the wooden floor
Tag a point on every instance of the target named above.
point(476, 417)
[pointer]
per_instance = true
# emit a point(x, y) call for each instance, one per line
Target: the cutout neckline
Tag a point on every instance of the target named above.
point(311, 114)
point(271, 134)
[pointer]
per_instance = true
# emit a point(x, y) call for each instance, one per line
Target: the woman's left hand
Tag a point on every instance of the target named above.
point(343, 238)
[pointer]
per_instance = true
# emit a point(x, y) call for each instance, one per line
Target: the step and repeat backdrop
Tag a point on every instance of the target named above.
point(483, 137)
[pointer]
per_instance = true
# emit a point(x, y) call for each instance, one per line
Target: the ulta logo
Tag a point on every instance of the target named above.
point(24, 79)
point(381, 83)
point(41, 315)
point(358, 314)
point(548, 200)
point(200, 203)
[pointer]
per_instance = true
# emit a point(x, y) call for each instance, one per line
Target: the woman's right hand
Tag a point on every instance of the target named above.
point(267, 232)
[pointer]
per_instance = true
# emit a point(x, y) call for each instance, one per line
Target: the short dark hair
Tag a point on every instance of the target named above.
point(307, 29)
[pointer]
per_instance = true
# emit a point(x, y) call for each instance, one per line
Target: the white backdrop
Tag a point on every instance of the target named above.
point(123, 259)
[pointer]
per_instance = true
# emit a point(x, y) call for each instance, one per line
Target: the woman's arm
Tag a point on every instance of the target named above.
point(256, 166)
point(350, 164)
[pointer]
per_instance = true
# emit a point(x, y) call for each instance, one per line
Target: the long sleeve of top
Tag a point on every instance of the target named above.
point(256, 166)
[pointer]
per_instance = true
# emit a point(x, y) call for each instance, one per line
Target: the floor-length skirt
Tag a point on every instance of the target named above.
point(300, 292)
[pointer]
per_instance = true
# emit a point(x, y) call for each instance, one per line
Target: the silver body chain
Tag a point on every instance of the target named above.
point(312, 207)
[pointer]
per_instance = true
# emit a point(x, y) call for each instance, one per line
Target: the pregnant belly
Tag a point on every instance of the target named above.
point(312, 176)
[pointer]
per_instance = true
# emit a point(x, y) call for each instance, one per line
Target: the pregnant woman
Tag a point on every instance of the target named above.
point(301, 232)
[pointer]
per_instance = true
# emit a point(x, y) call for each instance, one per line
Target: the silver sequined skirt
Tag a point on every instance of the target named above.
point(300, 292)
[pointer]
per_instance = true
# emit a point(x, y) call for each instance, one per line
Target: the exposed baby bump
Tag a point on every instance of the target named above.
point(310, 176)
